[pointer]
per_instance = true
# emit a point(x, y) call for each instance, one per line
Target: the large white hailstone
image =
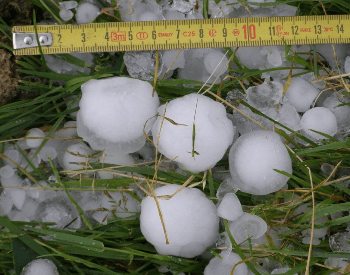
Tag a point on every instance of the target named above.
point(247, 226)
point(35, 133)
point(40, 266)
point(224, 266)
point(252, 159)
point(320, 119)
point(216, 63)
point(230, 207)
point(86, 12)
point(113, 113)
point(196, 148)
point(301, 94)
point(122, 204)
point(190, 220)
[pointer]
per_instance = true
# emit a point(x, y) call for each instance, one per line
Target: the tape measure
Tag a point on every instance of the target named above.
point(186, 34)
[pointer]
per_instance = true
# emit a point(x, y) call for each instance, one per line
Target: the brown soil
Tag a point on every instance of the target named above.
point(13, 12)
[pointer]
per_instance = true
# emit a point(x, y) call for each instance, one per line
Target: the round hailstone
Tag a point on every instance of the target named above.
point(230, 207)
point(250, 56)
point(196, 132)
point(216, 63)
point(301, 94)
point(190, 220)
point(76, 152)
point(320, 119)
point(58, 210)
point(40, 266)
point(224, 266)
point(35, 133)
point(247, 226)
point(252, 159)
point(113, 113)
point(86, 12)
point(66, 15)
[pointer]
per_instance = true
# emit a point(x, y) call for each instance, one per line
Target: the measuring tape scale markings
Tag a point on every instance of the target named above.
point(168, 35)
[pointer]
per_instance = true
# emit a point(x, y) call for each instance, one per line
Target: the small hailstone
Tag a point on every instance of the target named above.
point(7, 171)
point(273, 55)
point(171, 56)
point(86, 12)
point(149, 16)
point(320, 119)
point(115, 111)
point(141, 64)
point(12, 181)
point(14, 155)
point(266, 95)
point(190, 220)
point(342, 113)
point(347, 65)
point(6, 203)
point(301, 94)
point(252, 159)
point(281, 270)
point(29, 208)
point(226, 187)
point(18, 197)
point(35, 133)
point(289, 117)
point(195, 148)
point(76, 152)
point(230, 207)
point(48, 152)
point(68, 5)
point(224, 266)
point(40, 266)
point(124, 205)
point(250, 56)
point(60, 211)
point(66, 15)
point(247, 226)
point(216, 63)
point(34, 159)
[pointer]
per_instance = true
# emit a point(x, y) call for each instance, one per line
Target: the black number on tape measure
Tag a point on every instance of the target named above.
point(59, 38)
point(130, 35)
point(201, 33)
point(295, 30)
point(272, 30)
point(154, 35)
point(318, 29)
point(224, 32)
point(107, 36)
point(340, 28)
point(178, 34)
point(83, 39)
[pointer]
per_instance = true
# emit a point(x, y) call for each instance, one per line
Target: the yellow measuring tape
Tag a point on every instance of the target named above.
point(187, 34)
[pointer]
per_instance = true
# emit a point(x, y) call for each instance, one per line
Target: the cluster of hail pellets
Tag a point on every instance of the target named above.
point(193, 132)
